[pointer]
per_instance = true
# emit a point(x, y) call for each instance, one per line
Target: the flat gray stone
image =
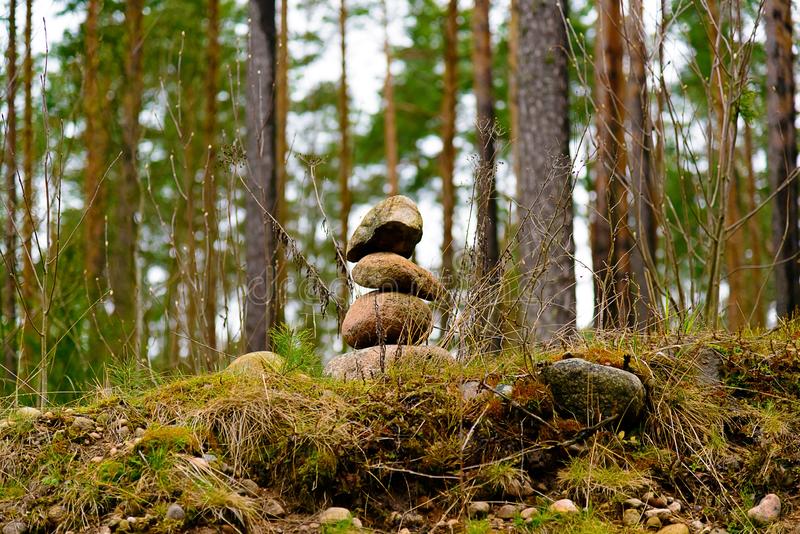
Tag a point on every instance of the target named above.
point(392, 225)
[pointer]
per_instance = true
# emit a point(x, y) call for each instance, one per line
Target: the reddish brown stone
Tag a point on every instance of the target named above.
point(386, 318)
point(391, 272)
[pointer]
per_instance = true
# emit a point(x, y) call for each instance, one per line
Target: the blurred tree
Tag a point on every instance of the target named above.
point(261, 201)
point(610, 235)
point(25, 371)
point(9, 288)
point(643, 190)
point(390, 136)
point(210, 219)
point(782, 155)
point(123, 274)
point(447, 158)
point(344, 159)
point(282, 99)
point(545, 181)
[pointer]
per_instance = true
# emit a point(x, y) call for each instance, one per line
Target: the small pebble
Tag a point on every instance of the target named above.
point(478, 508)
point(631, 517)
point(334, 514)
point(96, 459)
point(564, 506)
point(529, 513)
point(95, 435)
point(678, 528)
point(633, 503)
point(653, 523)
point(175, 512)
point(675, 507)
point(508, 511)
point(767, 511)
point(15, 527)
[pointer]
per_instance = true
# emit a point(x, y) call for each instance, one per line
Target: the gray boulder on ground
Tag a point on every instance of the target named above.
point(391, 272)
point(392, 225)
point(591, 392)
point(366, 363)
point(388, 318)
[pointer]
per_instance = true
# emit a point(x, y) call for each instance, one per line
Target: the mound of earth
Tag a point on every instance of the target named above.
point(475, 447)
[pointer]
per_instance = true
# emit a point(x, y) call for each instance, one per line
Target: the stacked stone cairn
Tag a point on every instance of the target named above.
point(393, 321)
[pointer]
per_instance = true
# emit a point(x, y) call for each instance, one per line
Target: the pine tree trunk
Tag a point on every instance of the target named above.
point(210, 187)
point(610, 234)
point(344, 160)
point(755, 240)
point(29, 284)
point(513, 84)
point(390, 121)
point(545, 179)
point(487, 278)
point(488, 248)
point(643, 189)
point(448, 155)
point(191, 282)
point(9, 297)
point(95, 140)
point(123, 273)
point(782, 155)
point(282, 103)
point(260, 241)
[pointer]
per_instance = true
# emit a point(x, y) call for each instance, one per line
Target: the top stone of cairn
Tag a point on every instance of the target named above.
point(392, 225)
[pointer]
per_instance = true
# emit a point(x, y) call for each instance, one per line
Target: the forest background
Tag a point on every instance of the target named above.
point(615, 164)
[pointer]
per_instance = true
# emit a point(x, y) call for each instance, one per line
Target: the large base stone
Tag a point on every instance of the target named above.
point(366, 363)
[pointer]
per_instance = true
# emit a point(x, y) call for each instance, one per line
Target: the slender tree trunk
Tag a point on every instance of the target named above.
point(782, 155)
point(545, 179)
point(513, 85)
point(123, 273)
point(25, 371)
point(738, 279)
point(487, 246)
point(191, 281)
point(485, 187)
point(282, 103)
point(611, 242)
point(755, 240)
point(344, 157)
point(390, 121)
point(210, 187)
point(448, 156)
point(261, 201)
point(95, 139)
point(9, 297)
point(643, 189)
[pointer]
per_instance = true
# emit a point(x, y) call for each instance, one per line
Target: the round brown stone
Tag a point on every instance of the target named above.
point(366, 363)
point(256, 363)
point(392, 225)
point(391, 272)
point(386, 318)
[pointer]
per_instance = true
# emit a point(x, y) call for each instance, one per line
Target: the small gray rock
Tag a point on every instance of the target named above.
point(82, 424)
point(767, 511)
point(631, 517)
point(529, 513)
point(697, 526)
point(273, 508)
point(250, 487)
point(15, 527)
point(334, 514)
point(508, 511)
point(175, 512)
point(591, 392)
point(478, 508)
point(633, 503)
point(392, 225)
point(28, 412)
point(564, 506)
point(365, 364)
point(662, 513)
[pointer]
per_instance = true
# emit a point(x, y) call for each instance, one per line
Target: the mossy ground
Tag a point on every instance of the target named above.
point(410, 441)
